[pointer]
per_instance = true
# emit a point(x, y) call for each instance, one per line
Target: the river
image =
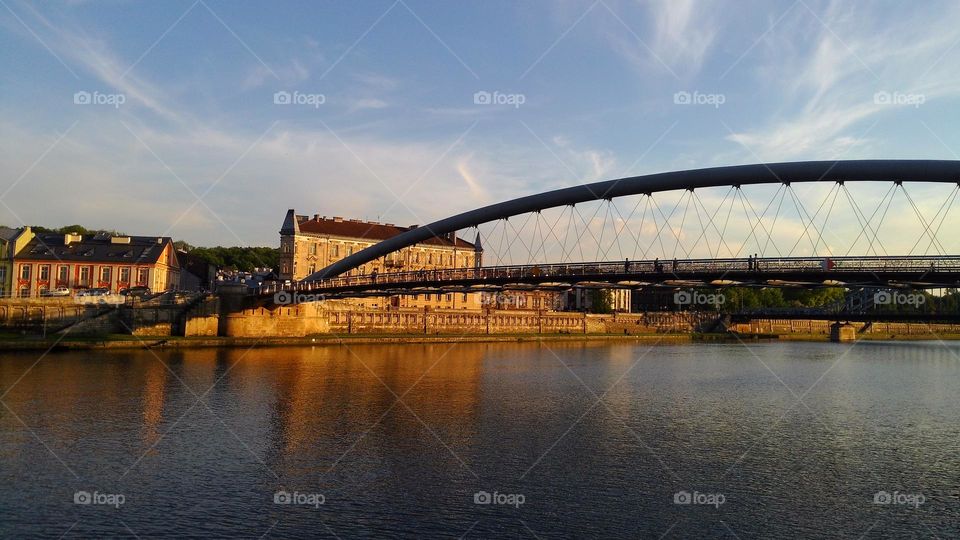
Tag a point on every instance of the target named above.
point(474, 440)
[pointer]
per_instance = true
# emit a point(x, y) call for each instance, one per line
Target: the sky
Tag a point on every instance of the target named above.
point(206, 120)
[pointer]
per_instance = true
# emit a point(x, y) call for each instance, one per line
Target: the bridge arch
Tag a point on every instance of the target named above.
point(937, 171)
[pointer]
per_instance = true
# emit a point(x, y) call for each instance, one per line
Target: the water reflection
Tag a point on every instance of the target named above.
point(516, 418)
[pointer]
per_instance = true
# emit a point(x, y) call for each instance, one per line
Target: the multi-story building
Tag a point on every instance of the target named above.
point(310, 244)
point(50, 261)
point(11, 241)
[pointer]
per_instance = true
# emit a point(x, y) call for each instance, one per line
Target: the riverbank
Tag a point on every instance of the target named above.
point(123, 341)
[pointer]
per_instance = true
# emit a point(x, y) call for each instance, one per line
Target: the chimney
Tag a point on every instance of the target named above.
point(316, 217)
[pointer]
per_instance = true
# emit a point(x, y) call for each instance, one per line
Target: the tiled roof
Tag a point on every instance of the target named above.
point(368, 231)
point(8, 234)
point(96, 249)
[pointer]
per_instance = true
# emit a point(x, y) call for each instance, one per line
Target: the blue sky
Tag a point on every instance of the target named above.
point(199, 150)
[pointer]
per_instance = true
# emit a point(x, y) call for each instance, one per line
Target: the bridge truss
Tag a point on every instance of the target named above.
point(883, 223)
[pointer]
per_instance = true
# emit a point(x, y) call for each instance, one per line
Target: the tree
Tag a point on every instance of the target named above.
point(601, 301)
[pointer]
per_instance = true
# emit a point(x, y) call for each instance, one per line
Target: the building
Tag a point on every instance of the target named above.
point(51, 260)
point(310, 244)
point(11, 241)
point(196, 274)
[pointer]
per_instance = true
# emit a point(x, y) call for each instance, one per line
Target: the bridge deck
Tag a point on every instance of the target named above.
point(885, 271)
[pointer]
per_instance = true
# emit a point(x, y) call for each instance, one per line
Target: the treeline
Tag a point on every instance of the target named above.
point(903, 300)
point(244, 259)
point(74, 229)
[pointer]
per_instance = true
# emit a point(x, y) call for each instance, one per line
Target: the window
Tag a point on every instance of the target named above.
point(142, 276)
point(63, 273)
point(106, 273)
point(313, 268)
point(44, 272)
point(24, 271)
point(350, 250)
point(313, 248)
point(336, 250)
point(84, 275)
point(430, 258)
point(24, 292)
point(125, 274)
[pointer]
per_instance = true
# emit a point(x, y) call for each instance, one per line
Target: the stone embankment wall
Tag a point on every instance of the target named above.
point(316, 318)
point(48, 316)
point(213, 316)
point(813, 327)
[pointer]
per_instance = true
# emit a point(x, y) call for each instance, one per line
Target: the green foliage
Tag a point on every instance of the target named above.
point(754, 298)
point(601, 301)
point(240, 258)
point(74, 229)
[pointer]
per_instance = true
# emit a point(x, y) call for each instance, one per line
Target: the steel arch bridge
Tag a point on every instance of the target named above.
point(879, 262)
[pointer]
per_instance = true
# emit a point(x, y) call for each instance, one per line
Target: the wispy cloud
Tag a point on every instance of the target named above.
point(829, 87)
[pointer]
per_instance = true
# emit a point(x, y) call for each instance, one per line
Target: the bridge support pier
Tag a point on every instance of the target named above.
point(842, 332)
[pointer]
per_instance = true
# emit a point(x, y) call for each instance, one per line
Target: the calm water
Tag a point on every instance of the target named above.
point(577, 440)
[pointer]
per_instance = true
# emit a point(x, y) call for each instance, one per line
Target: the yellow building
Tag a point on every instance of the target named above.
point(11, 241)
point(310, 244)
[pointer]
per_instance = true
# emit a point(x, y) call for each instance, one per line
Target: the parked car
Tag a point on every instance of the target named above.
point(136, 292)
point(59, 291)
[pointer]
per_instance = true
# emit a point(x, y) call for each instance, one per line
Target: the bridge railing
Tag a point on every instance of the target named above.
point(678, 268)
